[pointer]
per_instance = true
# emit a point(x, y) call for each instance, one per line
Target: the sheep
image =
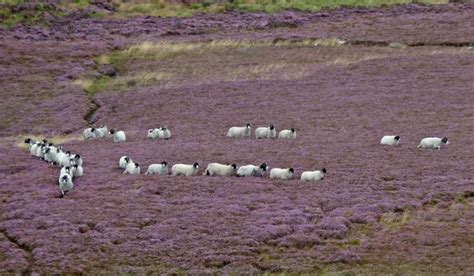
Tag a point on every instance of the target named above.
point(89, 133)
point(132, 168)
point(65, 184)
point(390, 140)
point(40, 151)
point(160, 169)
point(78, 159)
point(433, 143)
point(34, 147)
point(251, 170)
point(185, 169)
point(50, 155)
point(154, 133)
point(285, 174)
point(102, 131)
point(220, 169)
point(265, 132)
point(287, 134)
point(238, 132)
point(62, 158)
point(124, 160)
point(29, 143)
point(66, 170)
point(165, 133)
point(313, 175)
point(77, 171)
point(118, 136)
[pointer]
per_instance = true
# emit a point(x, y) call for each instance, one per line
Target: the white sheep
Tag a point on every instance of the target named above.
point(252, 170)
point(65, 170)
point(287, 134)
point(313, 175)
point(124, 160)
point(40, 151)
point(220, 169)
point(51, 155)
point(62, 158)
point(165, 133)
point(29, 143)
point(118, 136)
point(77, 171)
point(277, 173)
point(390, 140)
point(154, 133)
point(102, 131)
point(132, 168)
point(34, 147)
point(160, 169)
point(265, 132)
point(433, 142)
point(238, 132)
point(78, 159)
point(65, 184)
point(185, 169)
point(89, 133)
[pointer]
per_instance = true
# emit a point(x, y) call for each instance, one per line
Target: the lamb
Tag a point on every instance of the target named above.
point(89, 133)
point(433, 143)
point(390, 140)
point(124, 160)
point(313, 175)
point(265, 132)
point(77, 171)
point(154, 133)
point(65, 184)
point(238, 132)
point(118, 136)
point(160, 169)
point(132, 168)
point(287, 134)
point(165, 133)
point(285, 174)
point(251, 170)
point(220, 169)
point(185, 169)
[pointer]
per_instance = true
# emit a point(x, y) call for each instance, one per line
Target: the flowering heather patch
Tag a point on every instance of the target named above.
point(378, 210)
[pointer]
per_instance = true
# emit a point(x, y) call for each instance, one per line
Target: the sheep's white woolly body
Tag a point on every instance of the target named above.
point(132, 168)
point(185, 169)
point(102, 131)
point(252, 170)
point(165, 133)
point(160, 169)
point(391, 140)
point(220, 169)
point(433, 143)
point(154, 133)
point(238, 132)
point(65, 170)
point(65, 184)
point(277, 173)
point(124, 160)
point(89, 133)
point(77, 171)
point(265, 132)
point(313, 175)
point(118, 136)
point(287, 134)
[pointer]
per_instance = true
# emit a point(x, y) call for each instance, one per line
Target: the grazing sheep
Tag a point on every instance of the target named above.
point(160, 169)
point(285, 174)
point(220, 169)
point(119, 136)
point(433, 143)
point(89, 133)
point(77, 171)
point(132, 168)
point(390, 140)
point(265, 132)
point(313, 175)
point(238, 132)
point(251, 170)
point(165, 133)
point(185, 170)
point(102, 131)
point(154, 133)
point(287, 134)
point(124, 160)
point(65, 170)
point(65, 184)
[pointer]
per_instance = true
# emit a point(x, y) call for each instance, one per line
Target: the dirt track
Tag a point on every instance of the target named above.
point(353, 220)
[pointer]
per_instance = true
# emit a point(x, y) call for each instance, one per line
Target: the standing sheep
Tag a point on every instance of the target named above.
point(124, 160)
point(252, 170)
point(154, 133)
point(160, 169)
point(287, 134)
point(433, 143)
point(265, 132)
point(390, 140)
point(102, 131)
point(118, 136)
point(238, 132)
point(185, 170)
point(89, 133)
point(65, 184)
point(313, 175)
point(285, 174)
point(165, 133)
point(220, 169)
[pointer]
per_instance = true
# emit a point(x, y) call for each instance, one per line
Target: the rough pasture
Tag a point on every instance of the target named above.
point(379, 210)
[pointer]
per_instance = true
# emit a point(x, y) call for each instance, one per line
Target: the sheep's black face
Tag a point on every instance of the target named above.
point(272, 127)
point(196, 165)
point(249, 125)
point(64, 178)
point(136, 165)
point(291, 170)
point(45, 141)
point(163, 128)
point(127, 159)
point(112, 131)
point(77, 156)
point(27, 140)
point(324, 170)
point(75, 166)
point(445, 140)
point(292, 130)
point(234, 166)
point(164, 164)
point(397, 138)
point(263, 166)
point(68, 153)
point(150, 131)
point(47, 150)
